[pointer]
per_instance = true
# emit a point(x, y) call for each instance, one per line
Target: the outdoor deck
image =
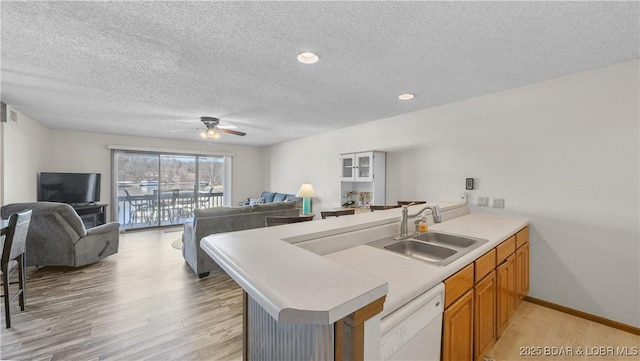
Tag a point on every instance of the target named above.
point(171, 208)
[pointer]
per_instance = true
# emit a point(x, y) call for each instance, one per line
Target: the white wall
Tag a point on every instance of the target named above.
point(23, 144)
point(563, 153)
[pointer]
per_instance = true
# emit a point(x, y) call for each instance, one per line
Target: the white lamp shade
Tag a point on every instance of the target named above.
point(306, 190)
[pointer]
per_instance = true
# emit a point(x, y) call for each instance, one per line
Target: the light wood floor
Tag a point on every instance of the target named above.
point(540, 333)
point(142, 303)
point(146, 303)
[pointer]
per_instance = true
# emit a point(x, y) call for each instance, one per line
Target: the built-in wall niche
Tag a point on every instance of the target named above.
point(355, 198)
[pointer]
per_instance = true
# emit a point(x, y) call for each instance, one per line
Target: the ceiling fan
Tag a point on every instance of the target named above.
point(211, 129)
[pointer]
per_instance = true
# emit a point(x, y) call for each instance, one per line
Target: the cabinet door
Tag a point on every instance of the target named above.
point(348, 167)
point(485, 315)
point(505, 291)
point(364, 167)
point(457, 333)
point(522, 272)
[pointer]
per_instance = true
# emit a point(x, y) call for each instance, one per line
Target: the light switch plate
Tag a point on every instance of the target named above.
point(498, 203)
point(483, 201)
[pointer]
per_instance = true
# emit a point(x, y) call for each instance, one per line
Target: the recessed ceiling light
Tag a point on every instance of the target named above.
point(308, 58)
point(406, 96)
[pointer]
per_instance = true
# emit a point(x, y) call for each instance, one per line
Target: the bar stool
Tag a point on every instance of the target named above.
point(342, 212)
point(13, 259)
point(277, 220)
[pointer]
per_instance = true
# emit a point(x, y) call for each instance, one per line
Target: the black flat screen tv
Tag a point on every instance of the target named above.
point(72, 188)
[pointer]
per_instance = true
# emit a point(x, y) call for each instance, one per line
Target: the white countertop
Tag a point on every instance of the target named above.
point(296, 285)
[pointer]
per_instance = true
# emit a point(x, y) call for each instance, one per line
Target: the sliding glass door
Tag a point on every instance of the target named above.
point(176, 192)
point(211, 182)
point(137, 176)
point(157, 189)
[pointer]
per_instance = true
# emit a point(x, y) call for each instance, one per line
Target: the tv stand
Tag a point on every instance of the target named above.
point(92, 214)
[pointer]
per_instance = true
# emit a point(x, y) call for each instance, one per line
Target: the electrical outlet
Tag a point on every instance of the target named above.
point(483, 201)
point(463, 197)
point(498, 203)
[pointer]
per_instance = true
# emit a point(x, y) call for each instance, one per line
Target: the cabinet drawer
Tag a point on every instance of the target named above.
point(458, 284)
point(485, 264)
point(522, 237)
point(505, 249)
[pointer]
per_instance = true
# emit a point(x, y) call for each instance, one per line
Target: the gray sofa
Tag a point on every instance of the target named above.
point(225, 219)
point(57, 236)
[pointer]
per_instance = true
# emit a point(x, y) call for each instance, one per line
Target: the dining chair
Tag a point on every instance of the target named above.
point(138, 208)
point(203, 202)
point(185, 203)
point(381, 208)
point(342, 212)
point(13, 259)
point(406, 203)
point(277, 220)
point(167, 207)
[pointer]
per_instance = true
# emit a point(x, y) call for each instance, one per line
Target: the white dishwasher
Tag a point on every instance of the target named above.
point(414, 331)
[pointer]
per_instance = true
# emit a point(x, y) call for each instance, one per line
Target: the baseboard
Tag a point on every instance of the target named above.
point(586, 316)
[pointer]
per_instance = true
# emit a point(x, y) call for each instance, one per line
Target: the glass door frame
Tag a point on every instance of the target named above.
point(223, 200)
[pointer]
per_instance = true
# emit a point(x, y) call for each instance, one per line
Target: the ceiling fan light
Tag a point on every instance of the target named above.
point(215, 135)
point(203, 134)
point(211, 132)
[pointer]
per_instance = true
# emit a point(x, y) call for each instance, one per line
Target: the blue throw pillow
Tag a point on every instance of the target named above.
point(279, 197)
point(268, 196)
point(254, 201)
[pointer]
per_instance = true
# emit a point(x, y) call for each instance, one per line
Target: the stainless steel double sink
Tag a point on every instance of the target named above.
point(436, 248)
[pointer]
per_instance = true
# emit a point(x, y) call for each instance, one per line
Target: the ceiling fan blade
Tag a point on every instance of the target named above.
point(229, 131)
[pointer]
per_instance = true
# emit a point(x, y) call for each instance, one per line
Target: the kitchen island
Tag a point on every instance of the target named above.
point(322, 275)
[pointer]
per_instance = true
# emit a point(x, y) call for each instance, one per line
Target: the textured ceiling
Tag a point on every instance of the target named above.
point(142, 68)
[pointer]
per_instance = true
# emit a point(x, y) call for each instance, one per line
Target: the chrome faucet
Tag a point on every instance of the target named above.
point(405, 216)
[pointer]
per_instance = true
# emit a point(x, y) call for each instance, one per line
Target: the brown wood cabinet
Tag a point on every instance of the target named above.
point(522, 236)
point(484, 322)
point(505, 249)
point(481, 298)
point(458, 284)
point(522, 272)
point(458, 329)
point(505, 291)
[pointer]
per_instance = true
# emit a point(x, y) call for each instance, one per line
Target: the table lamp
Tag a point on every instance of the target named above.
point(306, 192)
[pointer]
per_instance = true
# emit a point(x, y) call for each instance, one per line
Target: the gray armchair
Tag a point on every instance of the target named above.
point(57, 236)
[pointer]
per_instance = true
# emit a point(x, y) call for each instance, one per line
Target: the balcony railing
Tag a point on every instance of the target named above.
point(171, 208)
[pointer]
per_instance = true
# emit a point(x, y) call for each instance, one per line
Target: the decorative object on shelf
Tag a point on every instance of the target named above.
point(365, 198)
point(349, 199)
point(306, 192)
